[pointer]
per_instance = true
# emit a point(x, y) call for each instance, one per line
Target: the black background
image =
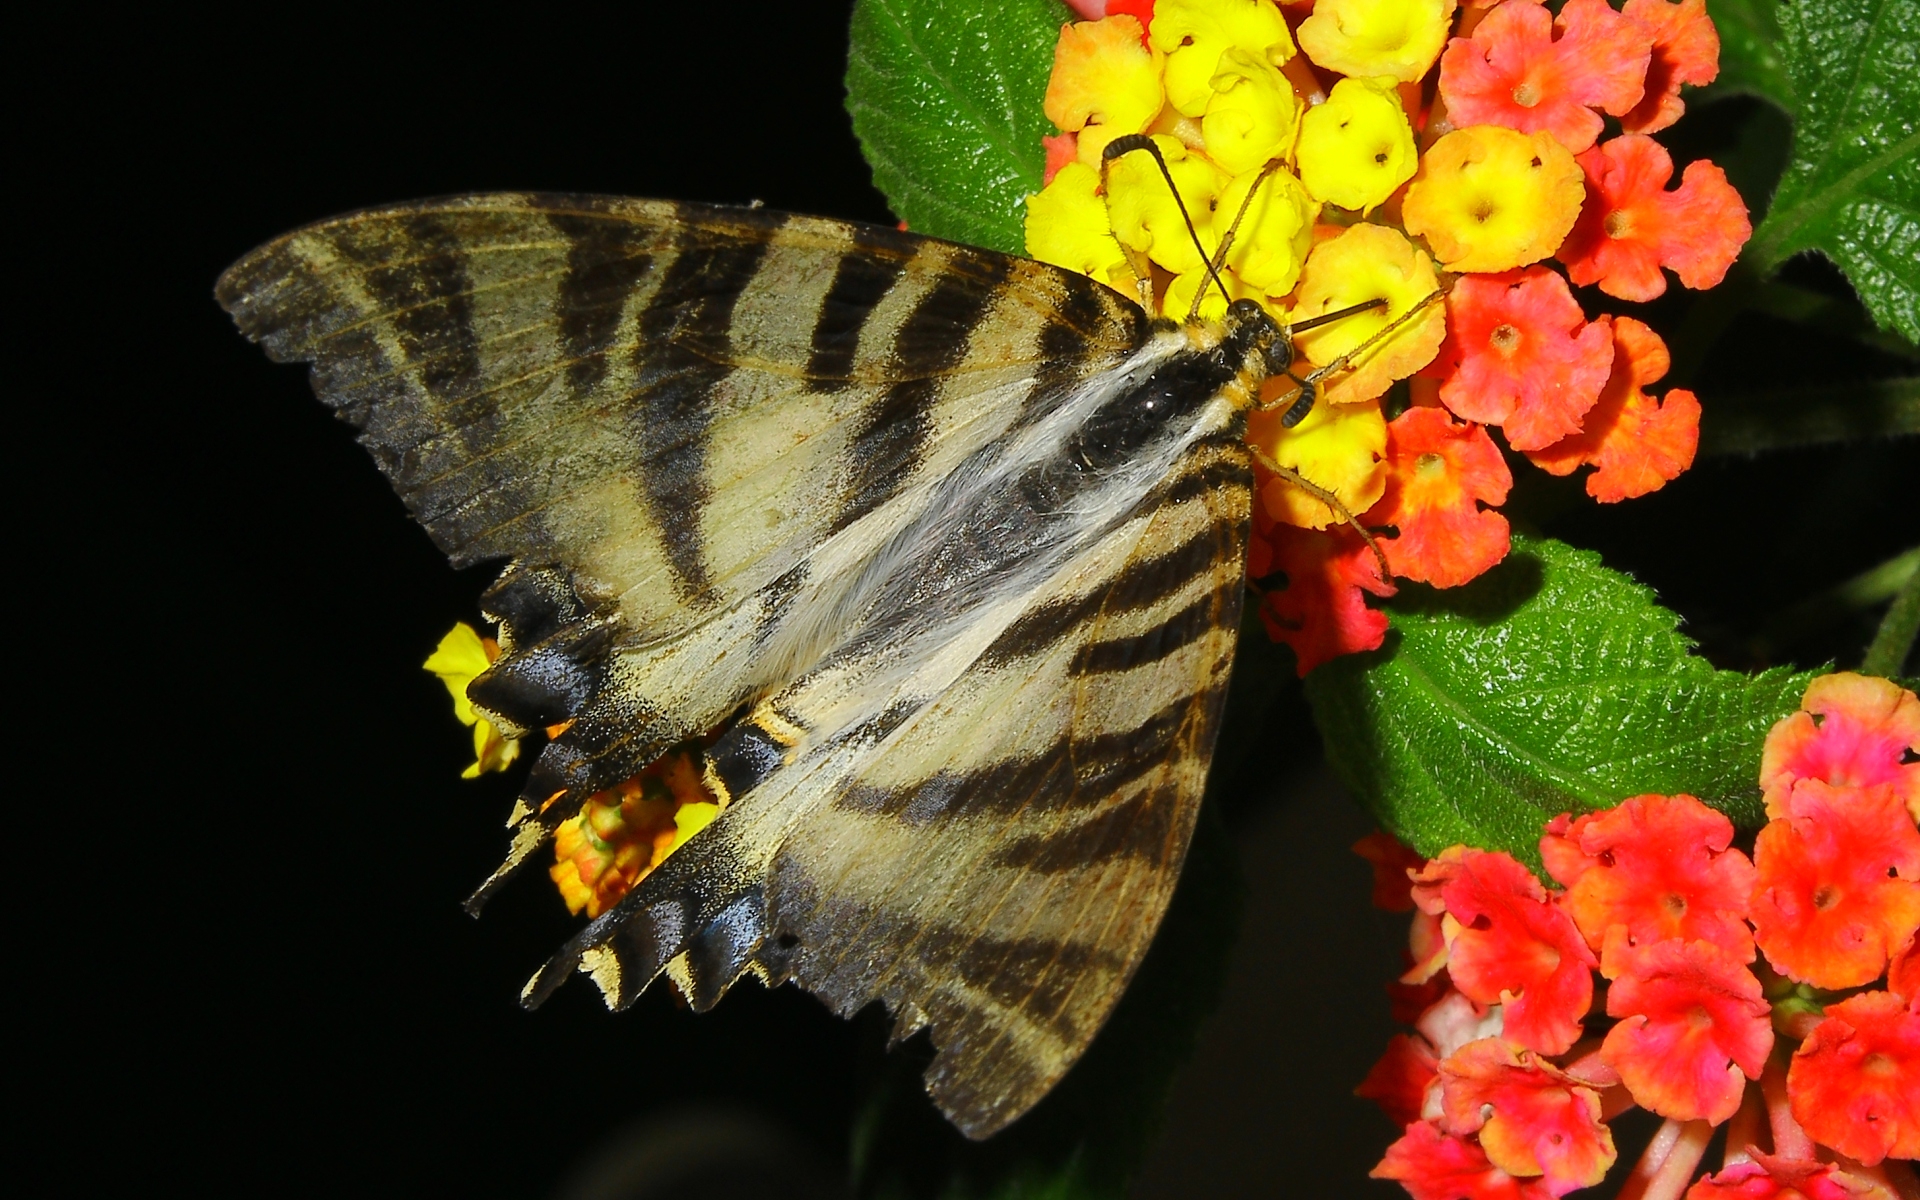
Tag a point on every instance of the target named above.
point(239, 837)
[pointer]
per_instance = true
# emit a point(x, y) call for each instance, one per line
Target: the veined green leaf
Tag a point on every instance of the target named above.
point(946, 99)
point(1852, 187)
point(1551, 684)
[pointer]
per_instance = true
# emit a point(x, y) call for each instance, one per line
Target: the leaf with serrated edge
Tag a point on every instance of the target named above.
point(1550, 684)
point(946, 100)
point(1852, 188)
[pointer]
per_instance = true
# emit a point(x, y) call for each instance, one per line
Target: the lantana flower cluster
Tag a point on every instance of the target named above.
point(1774, 994)
point(619, 835)
point(1380, 150)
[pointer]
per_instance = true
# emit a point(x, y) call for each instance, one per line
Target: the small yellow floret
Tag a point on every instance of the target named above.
point(1272, 240)
point(462, 656)
point(1340, 447)
point(1400, 38)
point(1357, 147)
point(1367, 262)
point(1067, 224)
point(1104, 83)
point(1193, 34)
point(1144, 214)
point(1213, 306)
point(690, 819)
point(1488, 198)
point(1252, 116)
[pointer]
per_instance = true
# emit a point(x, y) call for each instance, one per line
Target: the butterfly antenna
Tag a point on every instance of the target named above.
point(1333, 503)
point(1226, 241)
point(1310, 386)
point(1140, 141)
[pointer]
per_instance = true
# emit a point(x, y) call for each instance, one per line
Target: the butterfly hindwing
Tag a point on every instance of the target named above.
point(997, 873)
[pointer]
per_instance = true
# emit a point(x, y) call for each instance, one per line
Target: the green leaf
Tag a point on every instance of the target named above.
point(1852, 189)
point(1750, 49)
point(1550, 684)
point(945, 99)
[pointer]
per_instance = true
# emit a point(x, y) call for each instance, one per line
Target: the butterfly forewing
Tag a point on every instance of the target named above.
point(840, 475)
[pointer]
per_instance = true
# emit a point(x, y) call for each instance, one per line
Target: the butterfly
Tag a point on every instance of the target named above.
point(951, 543)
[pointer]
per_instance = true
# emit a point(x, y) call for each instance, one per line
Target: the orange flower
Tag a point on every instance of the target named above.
point(1439, 474)
point(1532, 1118)
point(1631, 226)
point(1509, 945)
point(1694, 1028)
point(1105, 83)
point(1433, 1165)
point(1653, 867)
point(1639, 444)
point(1837, 884)
point(1321, 613)
point(1520, 354)
point(1686, 49)
point(1852, 731)
point(1770, 1177)
point(1855, 1083)
point(1391, 860)
point(1525, 70)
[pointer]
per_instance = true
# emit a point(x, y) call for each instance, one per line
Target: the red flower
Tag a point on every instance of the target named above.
point(1686, 49)
point(1638, 443)
point(1321, 613)
point(1433, 1165)
point(1440, 472)
point(1391, 860)
point(1514, 71)
point(1767, 1177)
point(1510, 945)
point(1852, 731)
point(1695, 1028)
point(1520, 354)
point(1838, 886)
point(1062, 149)
point(1855, 1083)
point(1631, 226)
point(1657, 867)
point(1532, 1118)
point(1398, 1082)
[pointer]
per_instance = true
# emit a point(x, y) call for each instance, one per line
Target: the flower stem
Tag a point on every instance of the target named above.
point(1893, 644)
point(1664, 1171)
point(1789, 1140)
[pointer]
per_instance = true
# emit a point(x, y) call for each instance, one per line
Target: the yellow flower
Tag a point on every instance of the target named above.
point(1400, 38)
point(1067, 224)
point(1340, 447)
point(1193, 34)
point(1104, 83)
point(1273, 238)
point(1252, 115)
point(1143, 212)
point(1357, 146)
point(461, 656)
point(1368, 262)
point(1213, 306)
point(1488, 198)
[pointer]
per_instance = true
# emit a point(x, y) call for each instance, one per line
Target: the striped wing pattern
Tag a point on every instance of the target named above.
point(881, 492)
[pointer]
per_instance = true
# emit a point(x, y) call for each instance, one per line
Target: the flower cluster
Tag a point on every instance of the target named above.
point(1379, 151)
point(620, 834)
point(1776, 994)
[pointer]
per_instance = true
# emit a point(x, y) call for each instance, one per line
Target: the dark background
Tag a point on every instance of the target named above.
point(241, 836)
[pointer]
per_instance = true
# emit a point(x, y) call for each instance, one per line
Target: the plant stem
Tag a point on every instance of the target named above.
point(1894, 641)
